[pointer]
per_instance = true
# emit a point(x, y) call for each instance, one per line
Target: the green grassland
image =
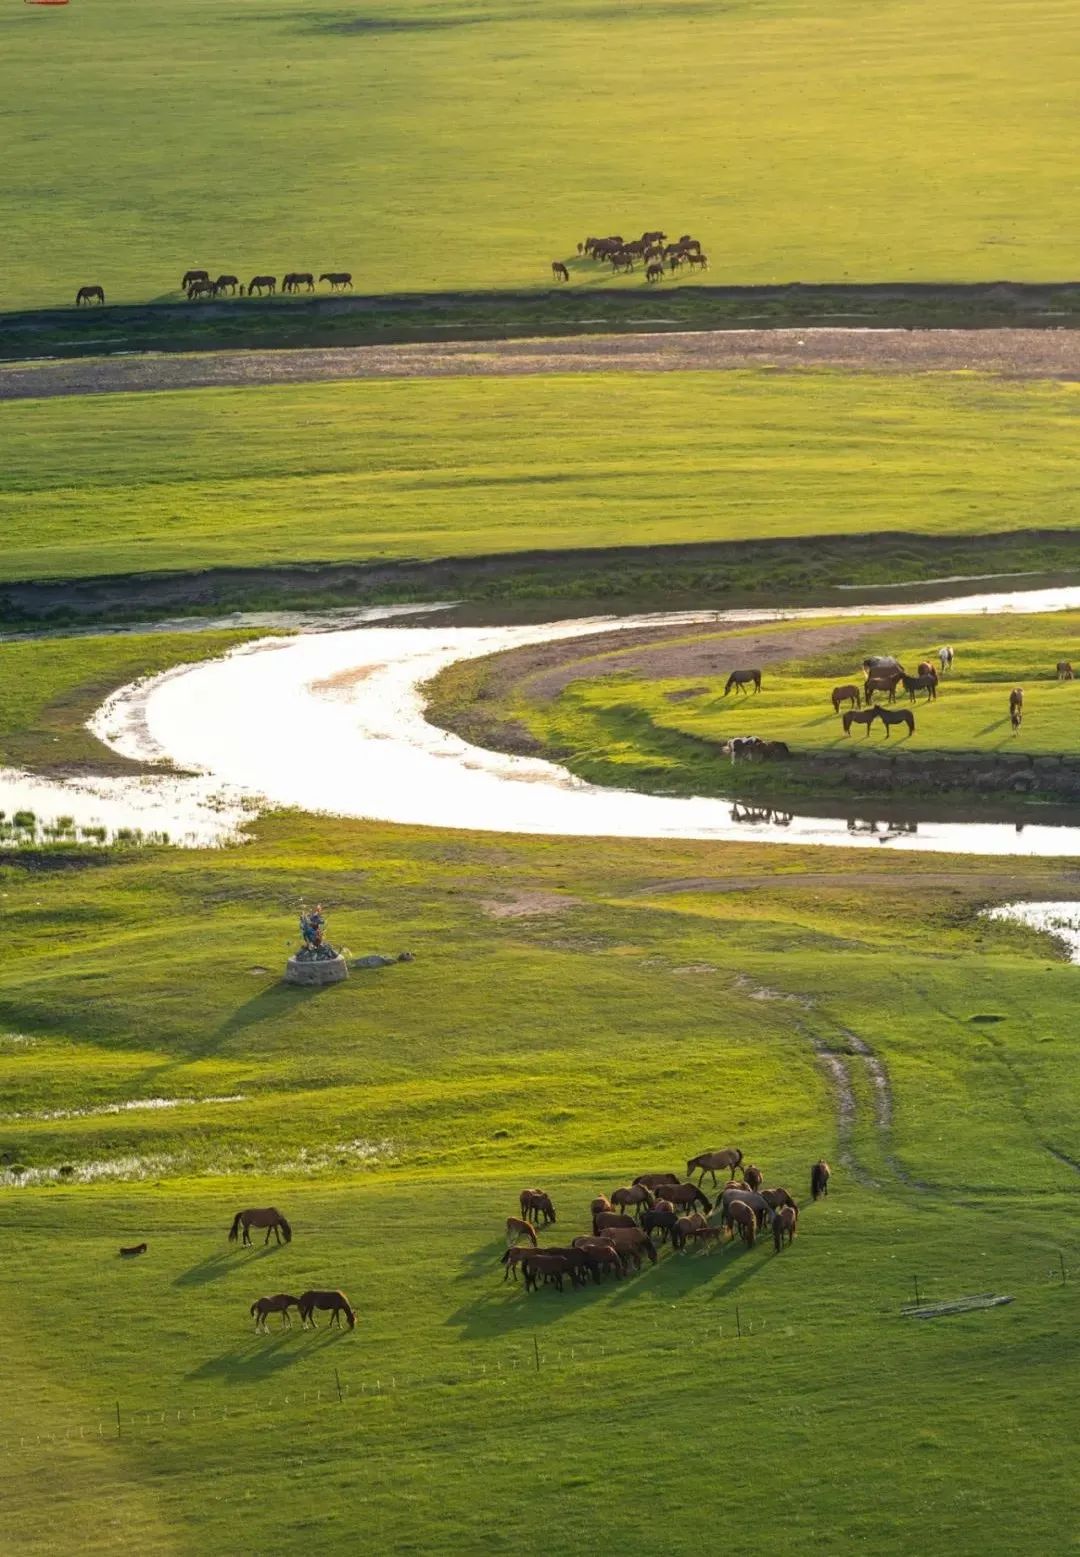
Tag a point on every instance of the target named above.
point(376, 471)
point(607, 1028)
point(440, 144)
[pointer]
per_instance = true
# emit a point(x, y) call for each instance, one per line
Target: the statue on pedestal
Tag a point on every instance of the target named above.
point(317, 962)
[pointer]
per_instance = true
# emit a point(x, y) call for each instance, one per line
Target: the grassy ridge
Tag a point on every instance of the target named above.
point(370, 471)
point(518, 1049)
point(797, 141)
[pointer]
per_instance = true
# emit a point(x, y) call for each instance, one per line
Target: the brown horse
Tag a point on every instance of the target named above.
point(740, 1218)
point(191, 276)
point(534, 1203)
point(749, 1197)
point(89, 295)
point(1064, 670)
point(660, 1219)
point(340, 280)
point(553, 1265)
point(685, 1227)
point(262, 284)
point(655, 1181)
point(927, 684)
point(632, 1195)
point(1016, 709)
point(752, 1177)
point(226, 284)
point(891, 716)
point(268, 1217)
point(516, 1228)
point(786, 1221)
point(741, 679)
point(514, 1256)
point(297, 279)
point(681, 1195)
point(882, 683)
point(201, 289)
point(604, 1221)
point(777, 1197)
point(280, 1303)
point(132, 1250)
point(849, 693)
point(601, 1255)
point(632, 1243)
point(709, 1237)
point(820, 1174)
point(925, 669)
point(708, 1162)
point(655, 271)
point(699, 260)
point(600, 1203)
point(559, 271)
point(336, 1302)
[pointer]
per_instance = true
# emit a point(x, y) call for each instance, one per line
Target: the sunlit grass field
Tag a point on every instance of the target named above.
point(440, 144)
point(568, 1024)
point(466, 467)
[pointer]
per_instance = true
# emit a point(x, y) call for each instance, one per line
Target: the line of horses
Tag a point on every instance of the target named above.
point(198, 283)
point(652, 249)
point(656, 1208)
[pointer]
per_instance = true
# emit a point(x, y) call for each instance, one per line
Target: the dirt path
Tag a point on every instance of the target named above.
point(1053, 354)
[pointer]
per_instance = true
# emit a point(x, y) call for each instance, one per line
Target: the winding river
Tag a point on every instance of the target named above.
point(334, 721)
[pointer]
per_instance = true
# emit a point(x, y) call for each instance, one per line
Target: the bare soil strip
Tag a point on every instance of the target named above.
point(1010, 353)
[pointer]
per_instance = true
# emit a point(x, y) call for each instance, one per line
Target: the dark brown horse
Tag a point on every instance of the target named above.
point(777, 1197)
point(514, 1256)
point(863, 716)
point(191, 276)
point(336, 1302)
point(297, 279)
point(599, 1203)
point(708, 1162)
point(752, 1177)
point(340, 280)
point(280, 1303)
point(604, 1221)
point(1016, 709)
point(262, 284)
point(201, 289)
point(820, 1174)
point(927, 684)
point(741, 679)
point(1064, 670)
point(632, 1243)
point(698, 260)
point(882, 683)
point(891, 716)
point(632, 1195)
point(226, 284)
point(785, 1223)
point(685, 1227)
point(89, 295)
point(533, 1203)
point(655, 271)
point(740, 1218)
point(268, 1217)
point(552, 1264)
point(849, 693)
point(655, 1181)
point(660, 1219)
point(601, 1255)
point(132, 1250)
point(559, 271)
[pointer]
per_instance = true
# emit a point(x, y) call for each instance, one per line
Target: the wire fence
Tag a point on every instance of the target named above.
point(736, 1324)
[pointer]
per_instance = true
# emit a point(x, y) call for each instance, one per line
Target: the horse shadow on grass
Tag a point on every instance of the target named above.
point(219, 1264)
point(262, 1357)
point(483, 1259)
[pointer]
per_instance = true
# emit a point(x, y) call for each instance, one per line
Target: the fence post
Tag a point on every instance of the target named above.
point(918, 1299)
point(337, 1380)
point(738, 1322)
point(1061, 1262)
point(118, 1419)
point(536, 1353)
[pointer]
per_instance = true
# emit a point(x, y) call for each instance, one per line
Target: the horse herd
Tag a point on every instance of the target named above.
point(199, 284)
point(326, 1300)
point(656, 1208)
point(652, 249)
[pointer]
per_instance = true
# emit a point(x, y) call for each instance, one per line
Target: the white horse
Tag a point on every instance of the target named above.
point(945, 655)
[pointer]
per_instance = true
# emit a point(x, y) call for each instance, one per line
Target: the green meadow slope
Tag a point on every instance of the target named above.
point(467, 467)
point(440, 144)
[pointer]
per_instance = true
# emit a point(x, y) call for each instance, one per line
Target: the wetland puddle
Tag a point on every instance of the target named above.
point(333, 721)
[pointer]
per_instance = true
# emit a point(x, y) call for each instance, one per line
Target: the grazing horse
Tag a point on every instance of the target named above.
point(946, 656)
point(516, 1228)
point(280, 1303)
point(777, 1197)
point(688, 1195)
point(340, 280)
point(262, 284)
point(655, 271)
point(708, 1162)
point(927, 684)
point(226, 284)
point(600, 1203)
point(201, 289)
point(1064, 670)
point(887, 682)
point(848, 693)
point(604, 1221)
point(552, 1265)
point(752, 1177)
point(863, 716)
point(758, 1204)
point(514, 1256)
point(786, 1221)
point(891, 716)
point(740, 1217)
point(297, 279)
point(1016, 709)
point(632, 1243)
point(820, 1174)
point(699, 260)
point(660, 1219)
point(191, 276)
point(622, 260)
point(536, 1202)
point(925, 668)
point(655, 1181)
point(89, 295)
point(336, 1302)
point(632, 1195)
point(741, 679)
point(685, 1227)
point(559, 271)
point(268, 1217)
point(601, 1255)
point(132, 1250)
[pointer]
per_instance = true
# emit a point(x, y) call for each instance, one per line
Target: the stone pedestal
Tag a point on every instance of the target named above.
point(316, 970)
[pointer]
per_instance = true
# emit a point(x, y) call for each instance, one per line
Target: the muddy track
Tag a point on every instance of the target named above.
point(1009, 353)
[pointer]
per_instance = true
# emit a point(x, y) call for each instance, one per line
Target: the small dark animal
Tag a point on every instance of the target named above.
point(1016, 709)
point(559, 271)
point(1064, 670)
point(820, 1174)
point(89, 295)
point(136, 1248)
